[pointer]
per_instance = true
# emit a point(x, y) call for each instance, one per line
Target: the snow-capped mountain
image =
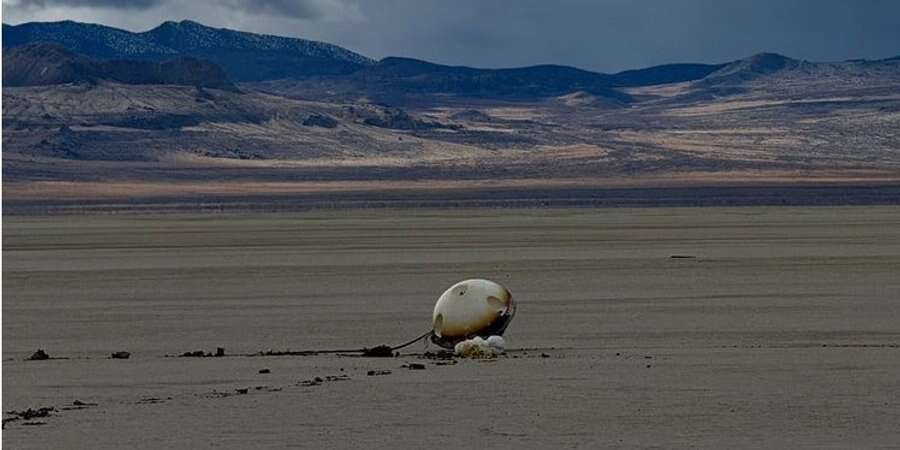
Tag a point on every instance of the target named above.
point(245, 56)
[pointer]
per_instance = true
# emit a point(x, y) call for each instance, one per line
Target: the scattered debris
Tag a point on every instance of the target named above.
point(265, 371)
point(120, 355)
point(284, 353)
point(267, 388)
point(78, 404)
point(375, 373)
point(439, 355)
point(39, 355)
point(201, 354)
point(29, 413)
point(217, 394)
point(152, 400)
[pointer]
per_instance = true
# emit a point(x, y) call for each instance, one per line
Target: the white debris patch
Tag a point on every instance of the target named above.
point(478, 348)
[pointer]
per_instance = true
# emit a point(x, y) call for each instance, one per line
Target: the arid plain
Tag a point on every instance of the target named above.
point(778, 327)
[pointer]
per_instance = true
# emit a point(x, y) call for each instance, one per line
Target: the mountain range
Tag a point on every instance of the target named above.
point(250, 57)
point(90, 109)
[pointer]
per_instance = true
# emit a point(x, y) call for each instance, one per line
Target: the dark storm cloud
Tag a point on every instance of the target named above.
point(291, 8)
point(605, 35)
point(117, 4)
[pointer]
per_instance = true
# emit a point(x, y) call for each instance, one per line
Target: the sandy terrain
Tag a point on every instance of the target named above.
point(784, 331)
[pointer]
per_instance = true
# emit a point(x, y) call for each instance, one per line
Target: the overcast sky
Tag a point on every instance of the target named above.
point(603, 35)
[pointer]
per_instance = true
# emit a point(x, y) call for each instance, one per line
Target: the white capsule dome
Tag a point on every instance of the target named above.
point(471, 308)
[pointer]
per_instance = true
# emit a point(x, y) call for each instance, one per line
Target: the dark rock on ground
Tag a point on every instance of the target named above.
point(265, 371)
point(381, 351)
point(120, 355)
point(39, 355)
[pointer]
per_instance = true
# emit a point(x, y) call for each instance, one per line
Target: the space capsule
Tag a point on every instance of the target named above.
point(471, 308)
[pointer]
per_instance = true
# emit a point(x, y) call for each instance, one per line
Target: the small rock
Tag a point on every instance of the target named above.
point(265, 371)
point(415, 366)
point(120, 355)
point(81, 403)
point(544, 355)
point(220, 351)
point(242, 390)
point(375, 373)
point(39, 355)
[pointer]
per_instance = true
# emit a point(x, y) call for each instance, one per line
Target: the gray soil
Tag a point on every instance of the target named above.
point(777, 327)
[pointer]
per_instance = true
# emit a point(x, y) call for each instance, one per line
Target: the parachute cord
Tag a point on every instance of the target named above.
point(407, 344)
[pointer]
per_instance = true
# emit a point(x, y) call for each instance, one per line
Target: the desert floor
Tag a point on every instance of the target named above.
point(783, 330)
